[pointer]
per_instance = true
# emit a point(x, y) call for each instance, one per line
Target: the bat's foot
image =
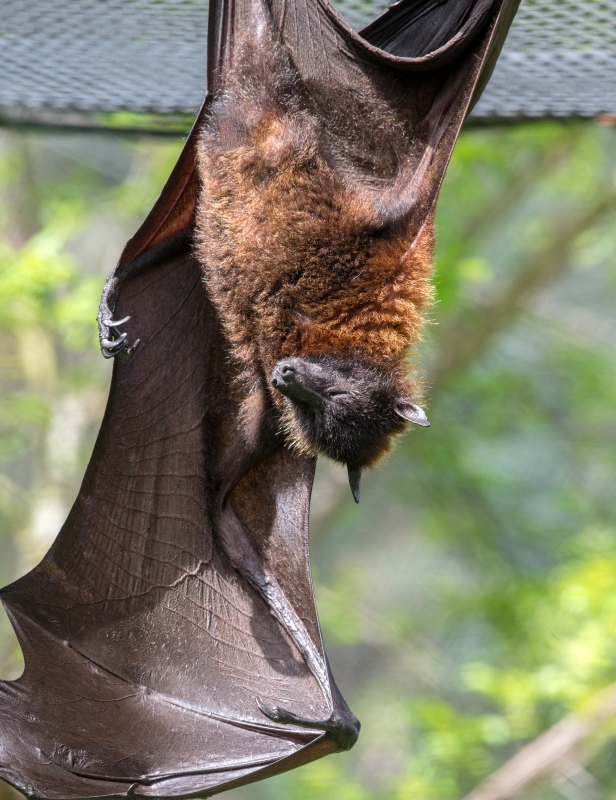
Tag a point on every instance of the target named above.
point(342, 728)
point(113, 343)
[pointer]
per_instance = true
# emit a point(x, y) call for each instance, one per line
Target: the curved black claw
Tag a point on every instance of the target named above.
point(112, 341)
point(343, 729)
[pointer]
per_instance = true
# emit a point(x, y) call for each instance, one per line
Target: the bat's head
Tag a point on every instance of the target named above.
point(344, 407)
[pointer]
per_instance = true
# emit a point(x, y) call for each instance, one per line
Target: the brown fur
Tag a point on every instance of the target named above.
point(294, 253)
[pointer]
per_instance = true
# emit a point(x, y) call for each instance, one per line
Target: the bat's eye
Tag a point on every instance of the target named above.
point(335, 393)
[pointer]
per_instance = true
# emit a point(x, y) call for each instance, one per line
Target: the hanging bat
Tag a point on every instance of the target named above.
point(170, 637)
point(315, 270)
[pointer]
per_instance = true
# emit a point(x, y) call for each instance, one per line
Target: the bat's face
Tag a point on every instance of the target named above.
point(343, 407)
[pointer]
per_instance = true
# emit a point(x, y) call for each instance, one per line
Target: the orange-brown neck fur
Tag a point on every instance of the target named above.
point(295, 257)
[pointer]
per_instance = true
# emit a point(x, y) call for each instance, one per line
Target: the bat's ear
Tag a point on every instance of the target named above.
point(355, 481)
point(412, 413)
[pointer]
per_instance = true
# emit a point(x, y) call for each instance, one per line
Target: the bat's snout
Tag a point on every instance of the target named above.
point(290, 378)
point(283, 374)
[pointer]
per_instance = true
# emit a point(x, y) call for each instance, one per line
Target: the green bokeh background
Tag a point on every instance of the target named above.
point(468, 603)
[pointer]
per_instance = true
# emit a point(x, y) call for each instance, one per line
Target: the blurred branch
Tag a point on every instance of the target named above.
point(463, 340)
point(549, 754)
point(499, 206)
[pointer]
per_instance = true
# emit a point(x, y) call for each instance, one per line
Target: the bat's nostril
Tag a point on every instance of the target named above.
point(287, 370)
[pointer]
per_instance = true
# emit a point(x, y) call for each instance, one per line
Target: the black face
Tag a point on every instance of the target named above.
point(344, 407)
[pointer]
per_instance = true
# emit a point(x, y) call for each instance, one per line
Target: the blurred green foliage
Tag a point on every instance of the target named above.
point(468, 604)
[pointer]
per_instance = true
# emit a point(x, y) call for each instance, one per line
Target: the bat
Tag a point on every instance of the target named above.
point(317, 279)
point(170, 635)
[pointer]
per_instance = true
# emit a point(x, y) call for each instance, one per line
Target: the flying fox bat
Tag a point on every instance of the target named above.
point(170, 636)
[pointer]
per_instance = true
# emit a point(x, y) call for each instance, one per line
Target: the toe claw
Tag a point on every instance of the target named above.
point(273, 712)
point(111, 348)
point(114, 344)
point(277, 714)
point(111, 323)
point(342, 728)
point(130, 350)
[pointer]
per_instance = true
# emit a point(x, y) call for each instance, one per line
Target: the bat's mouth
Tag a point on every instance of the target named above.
point(289, 379)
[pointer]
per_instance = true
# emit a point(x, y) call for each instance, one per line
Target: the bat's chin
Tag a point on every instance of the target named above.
point(312, 433)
